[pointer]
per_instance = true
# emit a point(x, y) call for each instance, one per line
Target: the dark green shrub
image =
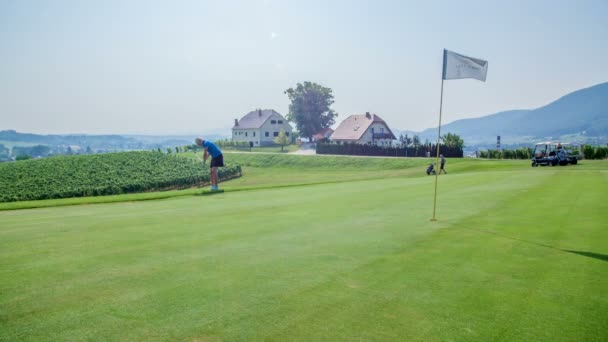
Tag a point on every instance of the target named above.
point(23, 157)
point(601, 152)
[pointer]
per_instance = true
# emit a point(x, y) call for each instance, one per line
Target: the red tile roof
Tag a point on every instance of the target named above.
point(353, 127)
point(325, 132)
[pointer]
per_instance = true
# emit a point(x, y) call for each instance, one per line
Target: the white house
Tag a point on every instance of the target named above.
point(363, 129)
point(260, 127)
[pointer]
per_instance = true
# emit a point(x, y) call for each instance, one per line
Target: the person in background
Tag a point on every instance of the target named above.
point(217, 159)
point(442, 167)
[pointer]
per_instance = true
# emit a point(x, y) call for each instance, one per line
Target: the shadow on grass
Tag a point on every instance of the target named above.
point(209, 192)
point(597, 256)
point(602, 257)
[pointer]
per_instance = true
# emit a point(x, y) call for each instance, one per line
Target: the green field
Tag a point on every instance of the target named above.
point(320, 248)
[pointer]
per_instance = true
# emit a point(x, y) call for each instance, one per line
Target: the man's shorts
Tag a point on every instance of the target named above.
point(217, 161)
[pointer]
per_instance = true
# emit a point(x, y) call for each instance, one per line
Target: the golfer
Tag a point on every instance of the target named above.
point(441, 168)
point(217, 159)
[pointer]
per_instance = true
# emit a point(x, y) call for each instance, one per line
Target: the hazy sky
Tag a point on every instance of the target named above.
point(192, 66)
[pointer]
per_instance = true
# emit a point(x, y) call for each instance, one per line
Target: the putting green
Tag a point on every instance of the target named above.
point(515, 255)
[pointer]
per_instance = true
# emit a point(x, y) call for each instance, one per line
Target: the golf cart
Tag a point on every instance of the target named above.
point(573, 152)
point(551, 153)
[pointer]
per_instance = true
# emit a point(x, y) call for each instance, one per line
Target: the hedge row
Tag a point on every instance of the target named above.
point(588, 151)
point(595, 152)
point(102, 174)
point(388, 151)
point(520, 153)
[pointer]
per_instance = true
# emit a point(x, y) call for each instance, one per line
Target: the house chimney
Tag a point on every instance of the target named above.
point(367, 115)
point(259, 112)
point(236, 122)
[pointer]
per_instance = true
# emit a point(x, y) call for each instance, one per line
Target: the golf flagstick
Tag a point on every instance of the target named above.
point(437, 160)
point(456, 66)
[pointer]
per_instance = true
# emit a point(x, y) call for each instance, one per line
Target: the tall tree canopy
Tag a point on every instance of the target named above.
point(309, 108)
point(453, 140)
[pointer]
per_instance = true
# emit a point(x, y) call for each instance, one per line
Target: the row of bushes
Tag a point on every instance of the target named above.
point(589, 152)
point(595, 152)
point(102, 174)
point(388, 151)
point(229, 144)
point(225, 173)
point(520, 153)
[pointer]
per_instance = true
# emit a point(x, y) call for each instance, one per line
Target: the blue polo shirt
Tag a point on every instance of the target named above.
point(213, 150)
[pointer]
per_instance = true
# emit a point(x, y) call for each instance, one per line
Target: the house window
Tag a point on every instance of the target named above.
point(273, 122)
point(286, 134)
point(381, 129)
point(254, 134)
point(280, 122)
point(266, 133)
point(275, 134)
point(372, 130)
point(245, 133)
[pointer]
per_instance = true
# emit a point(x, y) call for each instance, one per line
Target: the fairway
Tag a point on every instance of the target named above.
point(518, 253)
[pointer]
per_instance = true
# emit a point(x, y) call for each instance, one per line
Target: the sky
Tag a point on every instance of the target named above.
point(171, 67)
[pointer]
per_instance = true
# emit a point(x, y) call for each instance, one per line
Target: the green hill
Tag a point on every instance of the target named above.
point(582, 114)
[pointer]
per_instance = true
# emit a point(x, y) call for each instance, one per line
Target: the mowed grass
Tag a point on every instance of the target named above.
point(518, 253)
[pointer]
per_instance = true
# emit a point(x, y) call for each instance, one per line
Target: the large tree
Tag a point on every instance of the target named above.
point(453, 140)
point(309, 108)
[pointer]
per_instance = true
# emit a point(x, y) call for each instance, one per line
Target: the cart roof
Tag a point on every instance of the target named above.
point(556, 143)
point(549, 143)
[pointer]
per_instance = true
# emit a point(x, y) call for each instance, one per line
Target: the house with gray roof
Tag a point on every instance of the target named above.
point(260, 127)
point(363, 129)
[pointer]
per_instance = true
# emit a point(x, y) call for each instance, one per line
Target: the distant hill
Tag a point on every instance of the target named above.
point(96, 143)
point(581, 115)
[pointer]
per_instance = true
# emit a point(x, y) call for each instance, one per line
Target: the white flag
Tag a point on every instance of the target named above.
point(457, 66)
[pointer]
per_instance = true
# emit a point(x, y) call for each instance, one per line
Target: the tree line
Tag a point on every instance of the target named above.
point(586, 151)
